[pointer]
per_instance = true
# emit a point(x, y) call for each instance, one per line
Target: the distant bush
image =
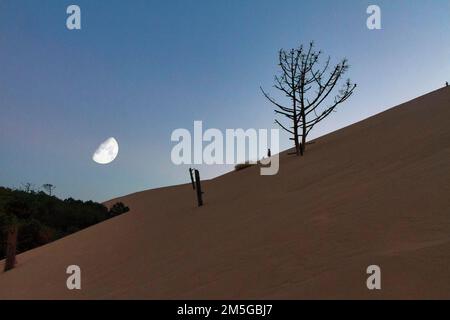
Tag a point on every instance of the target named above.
point(42, 218)
point(118, 209)
point(241, 166)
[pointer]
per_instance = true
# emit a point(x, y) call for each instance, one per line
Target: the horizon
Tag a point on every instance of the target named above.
point(116, 77)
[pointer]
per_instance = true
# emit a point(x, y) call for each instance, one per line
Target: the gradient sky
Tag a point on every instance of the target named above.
point(140, 69)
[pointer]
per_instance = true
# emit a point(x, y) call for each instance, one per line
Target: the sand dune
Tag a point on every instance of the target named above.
point(376, 192)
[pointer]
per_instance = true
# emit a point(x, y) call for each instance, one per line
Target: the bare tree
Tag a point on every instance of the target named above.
point(307, 87)
point(49, 188)
point(27, 187)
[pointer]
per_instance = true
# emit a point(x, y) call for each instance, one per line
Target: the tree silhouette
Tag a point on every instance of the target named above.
point(118, 208)
point(49, 188)
point(307, 87)
point(27, 187)
point(41, 218)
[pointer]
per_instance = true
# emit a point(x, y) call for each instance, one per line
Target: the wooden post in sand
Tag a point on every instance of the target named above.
point(198, 187)
point(192, 178)
point(11, 245)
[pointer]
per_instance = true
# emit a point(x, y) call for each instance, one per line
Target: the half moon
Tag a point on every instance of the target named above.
point(106, 152)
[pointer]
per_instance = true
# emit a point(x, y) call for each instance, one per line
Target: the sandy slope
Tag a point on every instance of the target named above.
point(376, 192)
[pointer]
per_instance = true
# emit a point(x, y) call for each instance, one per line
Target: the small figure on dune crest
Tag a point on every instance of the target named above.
point(446, 83)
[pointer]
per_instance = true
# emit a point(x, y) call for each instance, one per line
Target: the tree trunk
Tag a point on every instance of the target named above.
point(297, 146)
point(294, 103)
point(192, 178)
point(11, 245)
point(198, 188)
point(303, 144)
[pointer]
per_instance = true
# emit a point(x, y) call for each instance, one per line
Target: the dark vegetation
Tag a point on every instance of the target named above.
point(248, 164)
point(242, 166)
point(42, 218)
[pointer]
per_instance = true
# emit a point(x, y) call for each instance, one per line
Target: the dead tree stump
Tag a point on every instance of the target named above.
point(198, 188)
point(192, 178)
point(11, 246)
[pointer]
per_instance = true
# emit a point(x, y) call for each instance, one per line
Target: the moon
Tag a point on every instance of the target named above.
point(106, 152)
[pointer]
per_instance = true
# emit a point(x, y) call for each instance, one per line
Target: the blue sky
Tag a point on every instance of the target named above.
point(140, 69)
